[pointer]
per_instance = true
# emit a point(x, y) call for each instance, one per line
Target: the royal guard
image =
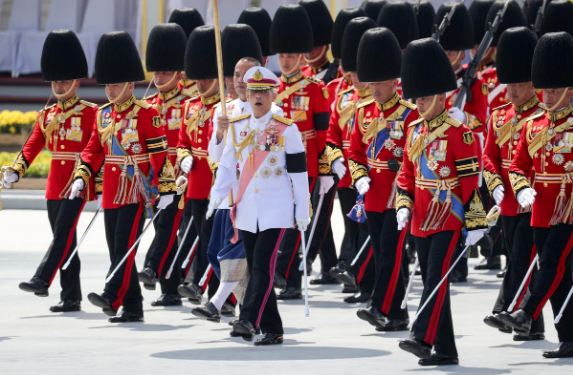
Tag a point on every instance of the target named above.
point(268, 153)
point(376, 150)
point(437, 192)
point(164, 56)
point(557, 17)
point(189, 19)
point(425, 14)
point(260, 20)
point(192, 151)
point(305, 101)
point(372, 8)
point(540, 175)
point(64, 129)
point(513, 63)
point(130, 143)
point(317, 62)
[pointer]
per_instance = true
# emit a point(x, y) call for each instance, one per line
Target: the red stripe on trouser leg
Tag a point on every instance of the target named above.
point(325, 232)
point(191, 258)
point(364, 265)
point(558, 277)
point(435, 319)
point(272, 266)
point(395, 273)
point(68, 244)
point(172, 238)
point(206, 283)
point(233, 299)
point(526, 286)
point(129, 262)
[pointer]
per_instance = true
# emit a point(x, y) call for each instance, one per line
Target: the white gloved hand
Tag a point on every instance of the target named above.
point(458, 114)
point(9, 178)
point(164, 201)
point(339, 168)
point(187, 164)
point(326, 183)
point(402, 216)
point(474, 236)
point(363, 185)
point(526, 197)
point(77, 186)
point(213, 205)
point(498, 194)
point(302, 223)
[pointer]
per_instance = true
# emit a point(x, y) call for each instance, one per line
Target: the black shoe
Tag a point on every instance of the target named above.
point(245, 329)
point(488, 264)
point(458, 277)
point(228, 310)
point(418, 273)
point(67, 306)
point(494, 322)
point(533, 336)
point(37, 286)
point(439, 360)
point(269, 339)
point(417, 347)
point(323, 279)
point(564, 350)
point(485, 245)
point(289, 293)
point(126, 317)
point(394, 325)
point(148, 277)
point(208, 312)
point(237, 334)
point(346, 278)
point(501, 274)
point(372, 316)
point(231, 322)
point(519, 320)
point(350, 289)
point(191, 291)
point(280, 281)
point(335, 271)
point(103, 303)
point(360, 298)
point(168, 300)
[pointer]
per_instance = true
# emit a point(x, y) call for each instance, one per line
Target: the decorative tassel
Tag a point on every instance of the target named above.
point(122, 189)
point(392, 199)
point(444, 213)
point(432, 212)
point(560, 207)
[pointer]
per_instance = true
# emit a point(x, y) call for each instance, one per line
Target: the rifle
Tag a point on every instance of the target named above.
point(467, 78)
point(540, 15)
point(445, 22)
point(417, 6)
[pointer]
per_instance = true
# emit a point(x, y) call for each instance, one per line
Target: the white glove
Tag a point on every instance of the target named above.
point(9, 178)
point(363, 185)
point(402, 216)
point(164, 201)
point(326, 183)
point(339, 168)
point(498, 194)
point(302, 223)
point(187, 164)
point(213, 205)
point(458, 114)
point(77, 186)
point(474, 236)
point(526, 197)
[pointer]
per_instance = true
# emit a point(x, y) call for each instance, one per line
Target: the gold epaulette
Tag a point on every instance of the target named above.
point(284, 120)
point(149, 97)
point(239, 118)
point(142, 104)
point(364, 104)
point(313, 80)
point(414, 123)
point(48, 108)
point(407, 104)
point(88, 104)
point(500, 107)
point(104, 106)
point(536, 114)
point(455, 123)
point(351, 88)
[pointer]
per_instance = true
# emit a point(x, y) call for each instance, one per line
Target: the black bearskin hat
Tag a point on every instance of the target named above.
point(515, 54)
point(478, 11)
point(351, 39)
point(459, 34)
point(379, 56)
point(400, 18)
point(166, 48)
point(552, 61)
point(260, 20)
point(320, 20)
point(63, 57)
point(201, 54)
point(558, 16)
point(238, 41)
point(425, 17)
point(513, 17)
point(188, 18)
point(291, 31)
point(342, 19)
point(373, 7)
point(117, 59)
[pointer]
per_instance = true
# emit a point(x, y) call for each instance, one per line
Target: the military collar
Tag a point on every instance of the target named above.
point(320, 68)
point(165, 97)
point(437, 121)
point(210, 100)
point(292, 79)
point(389, 104)
point(364, 93)
point(560, 114)
point(71, 102)
point(186, 82)
point(125, 105)
point(531, 103)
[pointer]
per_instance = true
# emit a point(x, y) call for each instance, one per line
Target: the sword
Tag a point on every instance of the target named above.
point(193, 247)
point(205, 275)
point(410, 284)
point(531, 266)
point(560, 315)
point(306, 308)
point(317, 214)
point(67, 264)
point(179, 249)
point(361, 251)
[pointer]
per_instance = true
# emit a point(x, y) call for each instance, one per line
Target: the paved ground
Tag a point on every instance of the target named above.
point(332, 340)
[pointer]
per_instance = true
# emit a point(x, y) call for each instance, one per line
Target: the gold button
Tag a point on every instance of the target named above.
point(518, 116)
point(113, 169)
point(199, 140)
point(547, 154)
point(285, 105)
point(377, 170)
point(545, 184)
point(286, 97)
point(62, 147)
point(199, 148)
point(256, 175)
point(546, 164)
point(200, 131)
point(513, 152)
point(256, 190)
point(63, 162)
point(515, 143)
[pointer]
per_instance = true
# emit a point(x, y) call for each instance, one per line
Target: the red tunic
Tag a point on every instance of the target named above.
point(377, 139)
point(476, 110)
point(544, 156)
point(504, 131)
point(497, 92)
point(336, 86)
point(64, 129)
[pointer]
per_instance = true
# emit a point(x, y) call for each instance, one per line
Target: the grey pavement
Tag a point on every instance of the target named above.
point(332, 340)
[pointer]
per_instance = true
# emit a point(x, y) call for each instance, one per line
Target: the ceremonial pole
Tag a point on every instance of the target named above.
point(219, 58)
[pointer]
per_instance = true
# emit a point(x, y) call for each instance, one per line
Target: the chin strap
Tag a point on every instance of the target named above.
point(431, 107)
point(66, 94)
point(294, 69)
point(319, 57)
point(161, 87)
point(114, 101)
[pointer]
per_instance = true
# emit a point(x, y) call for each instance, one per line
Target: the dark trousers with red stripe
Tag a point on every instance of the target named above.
point(347, 199)
point(164, 247)
point(204, 227)
point(63, 215)
point(435, 325)
point(518, 236)
point(122, 228)
point(189, 240)
point(388, 245)
point(260, 301)
point(553, 281)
